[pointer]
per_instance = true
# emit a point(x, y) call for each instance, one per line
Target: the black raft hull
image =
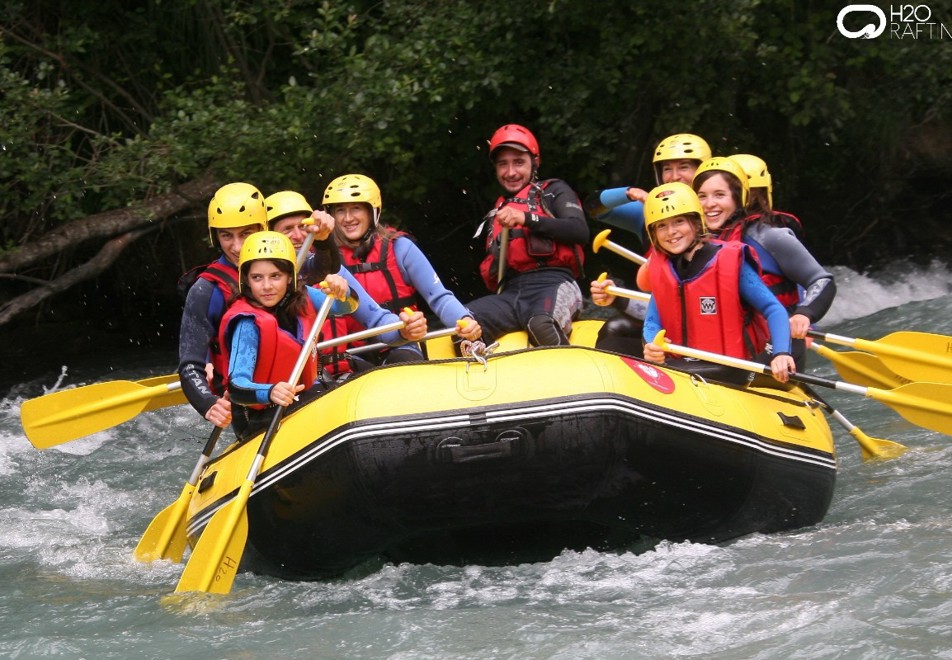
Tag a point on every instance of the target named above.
point(626, 454)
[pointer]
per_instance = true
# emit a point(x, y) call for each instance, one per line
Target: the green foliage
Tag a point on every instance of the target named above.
point(104, 106)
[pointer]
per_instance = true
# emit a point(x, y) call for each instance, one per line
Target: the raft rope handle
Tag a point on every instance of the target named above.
point(697, 380)
point(477, 351)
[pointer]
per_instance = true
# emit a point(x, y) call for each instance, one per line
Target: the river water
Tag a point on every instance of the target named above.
point(874, 580)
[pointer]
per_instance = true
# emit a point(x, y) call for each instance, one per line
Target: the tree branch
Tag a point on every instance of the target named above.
point(106, 256)
point(110, 223)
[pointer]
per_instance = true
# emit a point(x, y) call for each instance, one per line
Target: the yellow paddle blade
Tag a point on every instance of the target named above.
point(921, 356)
point(158, 380)
point(214, 561)
point(69, 414)
point(917, 356)
point(877, 448)
point(870, 448)
point(928, 405)
point(165, 536)
point(860, 368)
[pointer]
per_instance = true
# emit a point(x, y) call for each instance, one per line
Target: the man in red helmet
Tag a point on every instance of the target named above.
point(533, 238)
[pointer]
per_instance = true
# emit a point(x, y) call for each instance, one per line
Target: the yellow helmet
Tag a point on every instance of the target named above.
point(723, 164)
point(682, 146)
point(236, 205)
point(670, 200)
point(267, 245)
point(286, 202)
point(355, 188)
point(758, 176)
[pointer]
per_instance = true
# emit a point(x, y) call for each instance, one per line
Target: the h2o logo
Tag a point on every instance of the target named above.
point(868, 31)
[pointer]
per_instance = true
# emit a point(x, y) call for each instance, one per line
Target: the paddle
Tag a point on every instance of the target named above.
point(306, 245)
point(62, 416)
point(601, 240)
point(165, 536)
point(861, 368)
point(625, 293)
point(432, 334)
point(855, 366)
point(503, 255)
point(65, 415)
point(174, 397)
point(918, 356)
point(214, 561)
point(928, 405)
point(870, 448)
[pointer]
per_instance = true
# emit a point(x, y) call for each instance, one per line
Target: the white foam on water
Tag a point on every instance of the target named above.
point(863, 294)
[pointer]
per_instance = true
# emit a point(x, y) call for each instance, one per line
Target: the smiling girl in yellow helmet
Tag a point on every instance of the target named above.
point(804, 287)
point(387, 264)
point(704, 290)
point(263, 331)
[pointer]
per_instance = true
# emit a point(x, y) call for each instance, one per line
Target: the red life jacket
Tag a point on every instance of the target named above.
point(378, 272)
point(527, 250)
point(779, 284)
point(278, 350)
point(223, 275)
point(334, 359)
point(706, 311)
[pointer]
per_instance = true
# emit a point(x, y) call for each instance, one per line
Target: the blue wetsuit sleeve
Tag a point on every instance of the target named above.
point(629, 216)
point(369, 314)
point(652, 321)
point(756, 294)
point(417, 270)
point(612, 197)
point(241, 365)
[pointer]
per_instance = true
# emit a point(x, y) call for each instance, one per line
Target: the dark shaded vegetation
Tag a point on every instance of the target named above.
point(120, 119)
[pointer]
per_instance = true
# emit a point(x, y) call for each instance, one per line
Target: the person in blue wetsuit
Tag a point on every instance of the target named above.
point(676, 158)
point(264, 330)
point(389, 267)
point(703, 291)
point(290, 214)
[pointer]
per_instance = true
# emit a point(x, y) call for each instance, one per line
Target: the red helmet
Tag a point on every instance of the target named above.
point(516, 137)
